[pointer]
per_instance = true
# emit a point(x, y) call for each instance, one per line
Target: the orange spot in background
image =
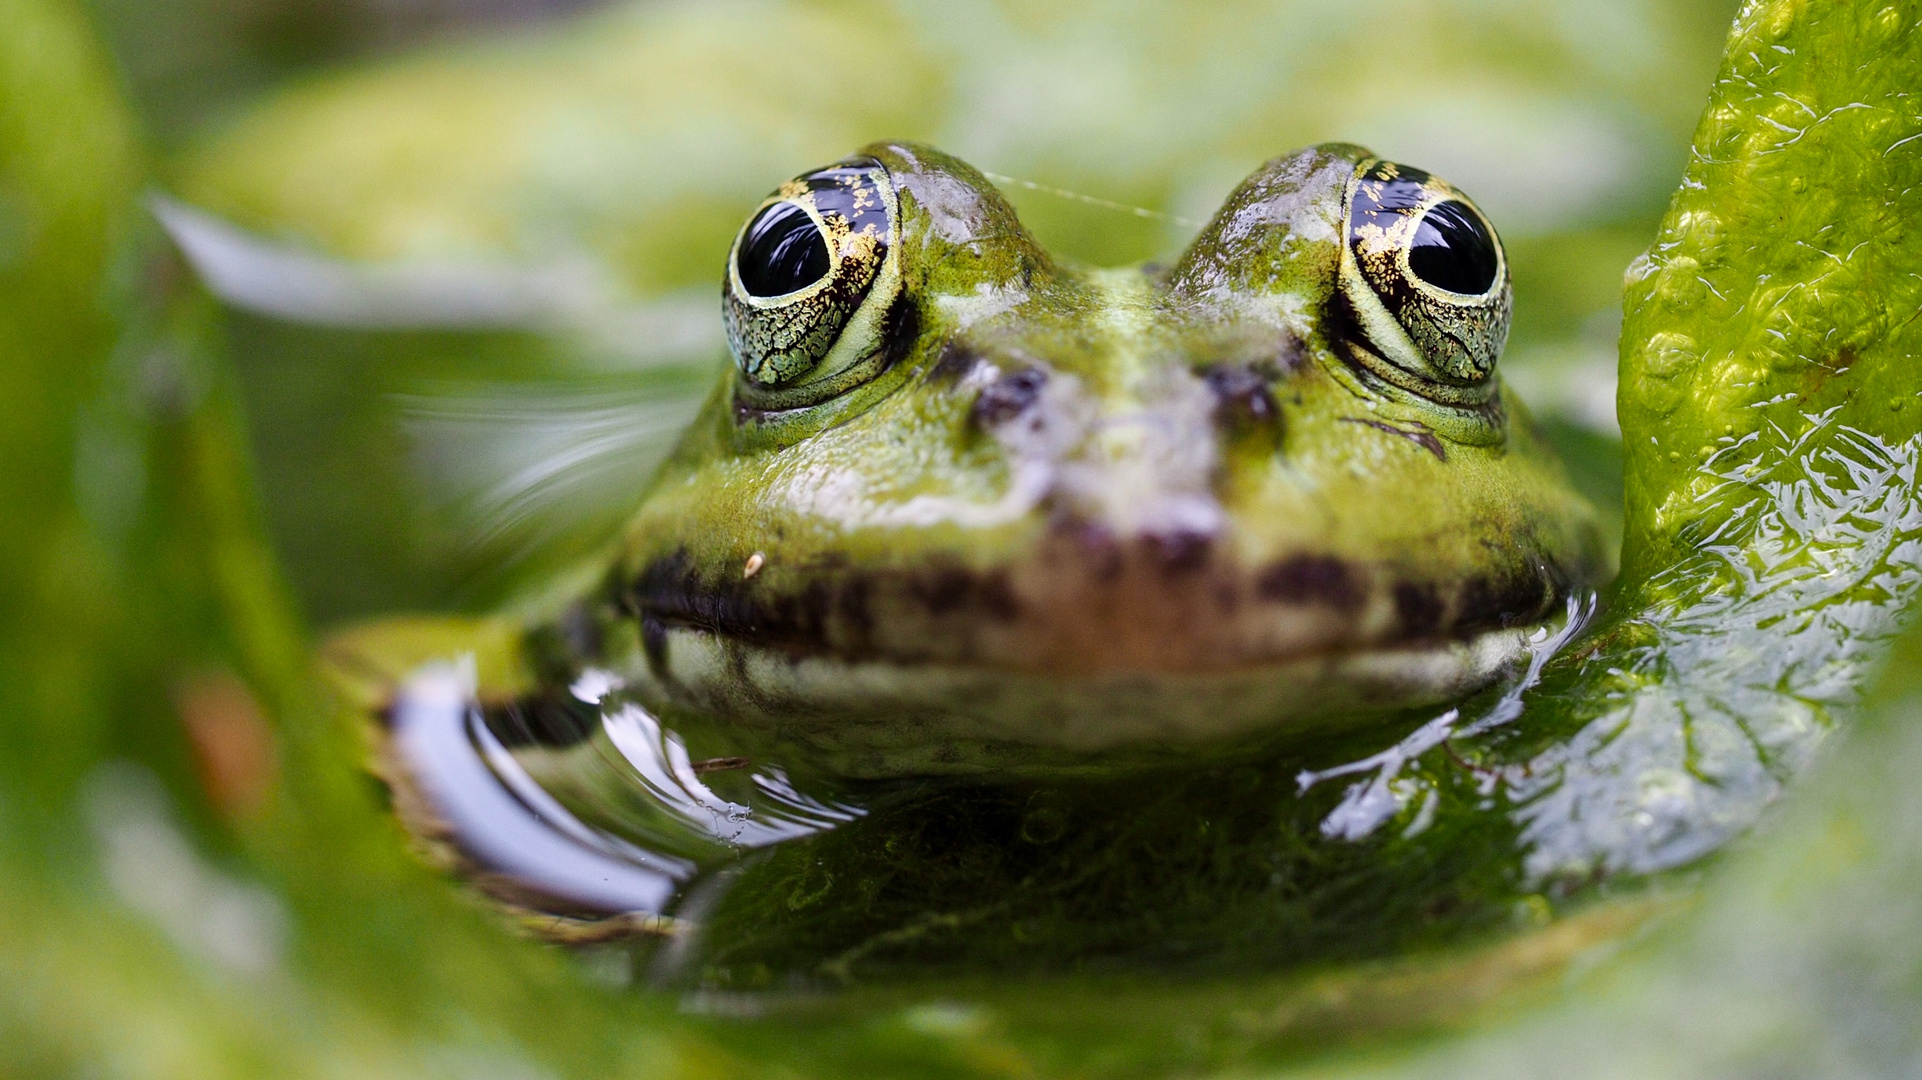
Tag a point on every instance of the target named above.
point(233, 747)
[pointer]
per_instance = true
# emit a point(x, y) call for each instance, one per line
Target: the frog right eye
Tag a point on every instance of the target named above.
point(809, 282)
point(1426, 280)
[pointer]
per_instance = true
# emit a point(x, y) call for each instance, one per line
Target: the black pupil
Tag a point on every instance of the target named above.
point(1452, 250)
point(782, 251)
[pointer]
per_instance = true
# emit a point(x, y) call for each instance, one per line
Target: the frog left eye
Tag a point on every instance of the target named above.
point(1427, 282)
point(809, 282)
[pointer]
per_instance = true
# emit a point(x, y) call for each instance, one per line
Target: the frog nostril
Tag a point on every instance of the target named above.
point(1009, 396)
point(1242, 396)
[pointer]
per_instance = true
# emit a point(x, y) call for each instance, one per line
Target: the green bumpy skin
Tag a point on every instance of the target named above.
point(1071, 514)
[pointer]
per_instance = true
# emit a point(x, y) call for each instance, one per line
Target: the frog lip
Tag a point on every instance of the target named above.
point(1173, 604)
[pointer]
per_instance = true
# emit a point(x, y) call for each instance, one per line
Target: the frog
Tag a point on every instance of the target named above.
point(961, 507)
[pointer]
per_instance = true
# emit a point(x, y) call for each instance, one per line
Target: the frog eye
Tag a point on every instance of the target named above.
point(1427, 282)
point(809, 282)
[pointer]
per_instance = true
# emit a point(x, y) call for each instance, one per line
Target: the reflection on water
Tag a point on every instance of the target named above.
point(660, 762)
point(1756, 645)
point(505, 821)
point(1368, 804)
point(510, 824)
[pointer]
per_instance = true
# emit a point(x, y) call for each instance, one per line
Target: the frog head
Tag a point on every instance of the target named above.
point(961, 505)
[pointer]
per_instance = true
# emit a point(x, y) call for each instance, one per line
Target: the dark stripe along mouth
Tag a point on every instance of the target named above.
point(1152, 609)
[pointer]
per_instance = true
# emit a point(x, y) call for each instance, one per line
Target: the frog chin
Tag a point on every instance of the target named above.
point(883, 718)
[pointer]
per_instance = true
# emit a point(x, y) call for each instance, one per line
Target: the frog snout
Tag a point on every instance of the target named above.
point(1137, 464)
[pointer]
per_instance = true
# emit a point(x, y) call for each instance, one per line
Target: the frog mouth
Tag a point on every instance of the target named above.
point(1163, 606)
point(1087, 655)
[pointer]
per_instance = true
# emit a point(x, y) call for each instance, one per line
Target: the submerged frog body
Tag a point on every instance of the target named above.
point(958, 506)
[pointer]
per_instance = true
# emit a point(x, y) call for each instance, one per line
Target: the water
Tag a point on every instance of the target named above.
point(1368, 804)
point(658, 821)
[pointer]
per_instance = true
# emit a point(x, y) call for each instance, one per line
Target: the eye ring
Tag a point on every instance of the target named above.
point(1426, 279)
point(809, 279)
